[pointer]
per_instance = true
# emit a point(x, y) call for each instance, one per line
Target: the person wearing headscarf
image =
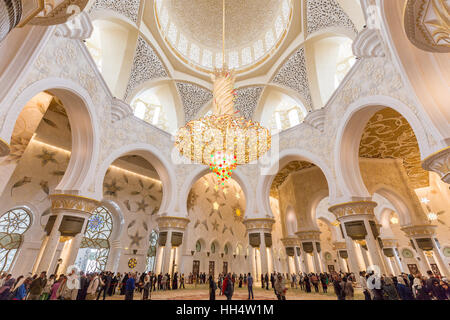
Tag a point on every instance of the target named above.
point(212, 288)
point(5, 290)
point(280, 288)
point(388, 288)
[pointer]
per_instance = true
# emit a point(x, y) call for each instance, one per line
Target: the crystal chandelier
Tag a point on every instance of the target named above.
point(223, 140)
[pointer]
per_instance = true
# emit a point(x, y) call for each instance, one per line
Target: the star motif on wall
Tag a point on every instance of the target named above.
point(225, 191)
point(142, 205)
point(216, 187)
point(216, 205)
point(206, 184)
point(136, 239)
point(238, 196)
point(215, 225)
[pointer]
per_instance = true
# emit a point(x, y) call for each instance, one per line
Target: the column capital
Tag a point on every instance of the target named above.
point(172, 223)
point(4, 148)
point(264, 224)
point(355, 208)
point(310, 235)
point(291, 242)
point(73, 203)
point(439, 162)
point(389, 243)
point(339, 245)
point(417, 231)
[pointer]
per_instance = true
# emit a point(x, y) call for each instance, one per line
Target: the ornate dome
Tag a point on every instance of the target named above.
point(193, 30)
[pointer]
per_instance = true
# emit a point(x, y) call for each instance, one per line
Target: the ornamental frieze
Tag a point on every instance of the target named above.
point(73, 203)
point(263, 223)
point(291, 242)
point(353, 208)
point(389, 243)
point(172, 222)
point(419, 230)
point(337, 245)
point(308, 235)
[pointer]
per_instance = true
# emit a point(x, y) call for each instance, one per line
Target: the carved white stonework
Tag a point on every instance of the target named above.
point(193, 98)
point(80, 27)
point(427, 24)
point(120, 110)
point(57, 12)
point(419, 230)
point(368, 44)
point(247, 100)
point(66, 202)
point(265, 224)
point(316, 119)
point(326, 13)
point(127, 8)
point(172, 223)
point(293, 75)
point(439, 163)
point(353, 209)
point(311, 235)
point(146, 66)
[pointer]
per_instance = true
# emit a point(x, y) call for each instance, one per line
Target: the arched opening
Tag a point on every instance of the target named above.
point(215, 213)
point(95, 246)
point(157, 106)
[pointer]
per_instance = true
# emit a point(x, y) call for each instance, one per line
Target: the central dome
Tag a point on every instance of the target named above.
point(193, 29)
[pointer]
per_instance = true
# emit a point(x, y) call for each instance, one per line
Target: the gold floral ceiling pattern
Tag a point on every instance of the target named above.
point(389, 135)
point(282, 175)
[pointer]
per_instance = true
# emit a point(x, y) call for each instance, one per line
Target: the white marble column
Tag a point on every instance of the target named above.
point(263, 253)
point(165, 268)
point(440, 260)
point(51, 246)
point(316, 258)
point(373, 247)
point(296, 261)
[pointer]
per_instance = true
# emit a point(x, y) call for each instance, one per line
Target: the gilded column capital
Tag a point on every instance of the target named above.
point(339, 245)
point(310, 235)
point(353, 209)
point(439, 163)
point(4, 148)
point(389, 243)
point(265, 224)
point(177, 223)
point(291, 242)
point(68, 202)
point(425, 230)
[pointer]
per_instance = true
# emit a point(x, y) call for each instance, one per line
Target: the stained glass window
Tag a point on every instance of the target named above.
point(151, 253)
point(94, 249)
point(13, 225)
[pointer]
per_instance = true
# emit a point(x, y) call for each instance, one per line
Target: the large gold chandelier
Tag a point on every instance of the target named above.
point(223, 140)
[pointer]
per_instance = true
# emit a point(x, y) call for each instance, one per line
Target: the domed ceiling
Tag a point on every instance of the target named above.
point(193, 30)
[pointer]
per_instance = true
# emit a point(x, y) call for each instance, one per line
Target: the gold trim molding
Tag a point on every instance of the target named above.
point(5, 148)
point(419, 230)
point(439, 162)
point(73, 203)
point(338, 245)
point(259, 223)
point(291, 242)
point(389, 243)
point(353, 208)
point(172, 222)
point(312, 235)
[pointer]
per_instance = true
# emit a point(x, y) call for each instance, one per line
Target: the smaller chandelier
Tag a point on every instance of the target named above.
point(432, 216)
point(222, 164)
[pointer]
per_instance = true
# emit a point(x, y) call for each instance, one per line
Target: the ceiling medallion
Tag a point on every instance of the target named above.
point(223, 140)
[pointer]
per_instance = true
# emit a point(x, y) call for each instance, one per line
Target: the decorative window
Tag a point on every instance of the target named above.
point(94, 249)
point(293, 117)
point(225, 249)
point(246, 56)
point(207, 58)
point(270, 40)
point(151, 253)
point(219, 60)
point(198, 246)
point(195, 53)
point(172, 34)
point(258, 48)
point(233, 59)
point(213, 247)
point(183, 44)
point(13, 224)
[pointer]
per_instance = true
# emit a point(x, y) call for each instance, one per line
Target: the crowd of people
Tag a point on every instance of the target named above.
point(96, 286)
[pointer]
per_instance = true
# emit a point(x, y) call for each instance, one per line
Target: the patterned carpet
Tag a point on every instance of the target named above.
point(201, 293)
